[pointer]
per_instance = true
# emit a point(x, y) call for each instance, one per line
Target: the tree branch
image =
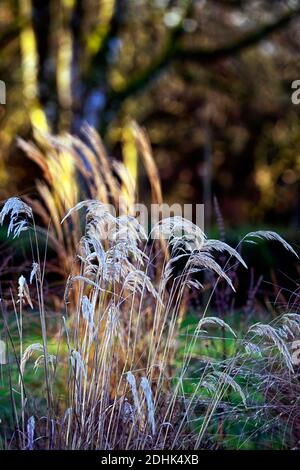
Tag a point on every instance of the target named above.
point(8, 36)
point(248, 40)
point(174, 51)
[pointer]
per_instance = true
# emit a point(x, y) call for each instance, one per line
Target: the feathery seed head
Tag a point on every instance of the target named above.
point(19, 213)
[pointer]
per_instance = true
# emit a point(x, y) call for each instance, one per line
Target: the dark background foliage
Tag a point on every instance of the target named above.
point(210, 80)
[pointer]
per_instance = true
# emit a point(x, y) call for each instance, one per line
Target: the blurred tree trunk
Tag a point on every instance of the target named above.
point(30, 67)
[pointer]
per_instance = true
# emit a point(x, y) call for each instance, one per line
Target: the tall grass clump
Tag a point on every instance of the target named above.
point(110, 377)
point(73, 170)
